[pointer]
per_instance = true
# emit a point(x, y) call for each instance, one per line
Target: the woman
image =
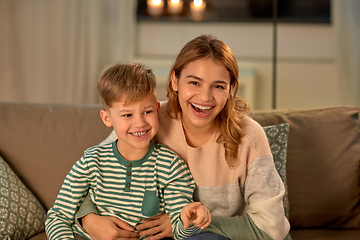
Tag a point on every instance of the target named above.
point(226, 151)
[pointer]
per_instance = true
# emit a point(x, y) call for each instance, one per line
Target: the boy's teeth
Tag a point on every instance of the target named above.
point(138, 134)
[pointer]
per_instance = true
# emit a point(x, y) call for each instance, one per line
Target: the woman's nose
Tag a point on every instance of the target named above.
point(206, 94)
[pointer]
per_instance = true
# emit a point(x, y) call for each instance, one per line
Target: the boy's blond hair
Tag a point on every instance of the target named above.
point(126, 82)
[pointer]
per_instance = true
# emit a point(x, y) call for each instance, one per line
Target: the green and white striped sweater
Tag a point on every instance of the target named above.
point(129, 190)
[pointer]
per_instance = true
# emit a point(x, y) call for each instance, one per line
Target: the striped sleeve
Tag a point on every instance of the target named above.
point(60, 218)
point(178, 193)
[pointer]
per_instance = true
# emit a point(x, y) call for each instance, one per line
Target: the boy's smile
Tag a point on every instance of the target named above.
point(135, 125)
point(139, 134)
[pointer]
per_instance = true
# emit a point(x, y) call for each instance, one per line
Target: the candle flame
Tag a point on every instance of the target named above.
point(175, 1)
point(198, 3)
point(156, 2)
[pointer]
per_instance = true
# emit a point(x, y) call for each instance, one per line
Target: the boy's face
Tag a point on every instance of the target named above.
point(135, 125)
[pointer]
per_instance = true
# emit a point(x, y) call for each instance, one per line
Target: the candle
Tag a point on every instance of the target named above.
point(197, 8)
point(155, 7)
point(175, 6)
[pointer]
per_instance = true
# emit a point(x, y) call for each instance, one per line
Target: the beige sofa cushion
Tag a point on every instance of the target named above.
point(323, 159)
point(50, 138)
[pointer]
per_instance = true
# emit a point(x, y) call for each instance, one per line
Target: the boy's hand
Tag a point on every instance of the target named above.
point(156, 227)
point(197, 214)
point(103, 227)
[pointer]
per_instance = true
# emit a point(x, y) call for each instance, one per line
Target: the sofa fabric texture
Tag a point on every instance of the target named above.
point(323, 166)
point(41, 142)
point(277, 136)
point(21, 214)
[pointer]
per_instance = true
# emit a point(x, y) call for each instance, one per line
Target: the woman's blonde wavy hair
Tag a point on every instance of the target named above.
point(229, 119)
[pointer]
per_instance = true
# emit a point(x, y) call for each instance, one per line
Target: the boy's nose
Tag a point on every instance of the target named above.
point(140, 121)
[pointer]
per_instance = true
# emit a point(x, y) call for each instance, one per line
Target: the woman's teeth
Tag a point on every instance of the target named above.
point(138, 134)
point(200, 109)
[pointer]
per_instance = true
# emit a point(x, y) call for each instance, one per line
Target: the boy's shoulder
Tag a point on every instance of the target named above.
point(163, 148)
point(163, 151)
point(168, 158)
point(108, 147)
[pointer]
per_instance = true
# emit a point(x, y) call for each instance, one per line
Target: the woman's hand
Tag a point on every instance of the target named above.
point(107, 228)
point(197, 214)
point(156, 227)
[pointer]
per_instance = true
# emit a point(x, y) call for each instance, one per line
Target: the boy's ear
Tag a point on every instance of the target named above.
point(158, 107)
point(174, 81)
point(105, 118)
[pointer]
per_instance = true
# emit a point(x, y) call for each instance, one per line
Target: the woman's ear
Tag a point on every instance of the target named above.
point(105, 118)
point(231, 90)
point(174, 81)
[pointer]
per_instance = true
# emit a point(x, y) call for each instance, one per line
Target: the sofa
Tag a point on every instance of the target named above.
point(39, 143)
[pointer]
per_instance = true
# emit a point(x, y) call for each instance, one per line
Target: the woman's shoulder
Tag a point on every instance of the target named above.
point(169, 128)
point(251, 127)
point(164, 117)
point(163, 107)
point(255, 134)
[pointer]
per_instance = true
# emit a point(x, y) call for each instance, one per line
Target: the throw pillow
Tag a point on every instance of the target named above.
point(21, 214)
point(277, 136)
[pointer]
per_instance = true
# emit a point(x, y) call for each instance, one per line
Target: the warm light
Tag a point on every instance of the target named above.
point(198, 2)
point(197, 8)
point(155, 7)
point(175, 6)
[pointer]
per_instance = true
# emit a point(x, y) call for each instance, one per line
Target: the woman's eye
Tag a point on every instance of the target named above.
point(219, 86)
point(194, 82)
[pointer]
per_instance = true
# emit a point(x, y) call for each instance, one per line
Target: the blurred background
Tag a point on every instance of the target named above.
point(302, 54)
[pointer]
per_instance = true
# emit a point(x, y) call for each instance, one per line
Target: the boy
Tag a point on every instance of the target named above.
point(131, 178)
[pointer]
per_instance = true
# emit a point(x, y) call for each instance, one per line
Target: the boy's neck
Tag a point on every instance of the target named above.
point(132, 154)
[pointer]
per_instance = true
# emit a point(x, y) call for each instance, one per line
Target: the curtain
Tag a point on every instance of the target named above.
point(54, 51)
point(346, 18)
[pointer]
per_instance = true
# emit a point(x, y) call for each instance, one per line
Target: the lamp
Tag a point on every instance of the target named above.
point(155, 7)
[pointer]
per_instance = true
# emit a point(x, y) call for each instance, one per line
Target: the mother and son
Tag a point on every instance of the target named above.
point(194, 167)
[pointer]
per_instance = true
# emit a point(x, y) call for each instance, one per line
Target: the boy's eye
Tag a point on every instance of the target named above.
point(148, 112)
point(127, 115)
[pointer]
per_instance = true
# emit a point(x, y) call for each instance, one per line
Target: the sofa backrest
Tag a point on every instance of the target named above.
point(41, 142)
point(323, 165)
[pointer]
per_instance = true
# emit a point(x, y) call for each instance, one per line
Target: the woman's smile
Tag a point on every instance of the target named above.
point(203, 89)
point(201, 110)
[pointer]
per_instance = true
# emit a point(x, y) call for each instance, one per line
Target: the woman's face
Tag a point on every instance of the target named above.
point(203, 89)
